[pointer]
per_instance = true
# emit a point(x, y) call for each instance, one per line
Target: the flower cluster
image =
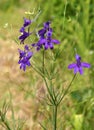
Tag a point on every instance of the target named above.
point(24, 57)
point(25, 34)
point(45, 38)
point(45, 41)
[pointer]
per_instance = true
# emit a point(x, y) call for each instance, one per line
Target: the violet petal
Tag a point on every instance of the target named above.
point(71, 66)
point(86, 65)
point(55, 41)
point(76, 69)
point(81, 70)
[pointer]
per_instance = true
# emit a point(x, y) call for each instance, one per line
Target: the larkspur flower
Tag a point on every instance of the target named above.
point(26, 22)
point(26, 47)
point(24, 58)
point(45, 41)
point(21, 53)
point(43, 31)
point(45, 38)
point(22, 29)
point(49, 41)
point(47, 25)
point(78, 66)
point(24, 36)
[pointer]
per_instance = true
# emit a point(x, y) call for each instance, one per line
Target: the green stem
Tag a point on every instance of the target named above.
point(42, 126)
point(43, 60)
point(52, 95)
point(5, 123)
point(45, 83)
point(48, 89)
point(36, 17)
point(55, 117)
point(66, 90)
point(53, 92)
point(64, 15)
point(38, 71)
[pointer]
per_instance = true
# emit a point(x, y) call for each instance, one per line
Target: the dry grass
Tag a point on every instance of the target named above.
point(13, 81)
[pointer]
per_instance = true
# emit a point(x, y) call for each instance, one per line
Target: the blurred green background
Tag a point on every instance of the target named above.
point(73, 24)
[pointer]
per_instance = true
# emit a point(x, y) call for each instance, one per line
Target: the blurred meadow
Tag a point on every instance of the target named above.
point(22, 93)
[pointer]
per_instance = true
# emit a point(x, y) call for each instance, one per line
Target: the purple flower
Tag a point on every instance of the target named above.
point(38, 45)
point(26, 22)
point(47, 25)
point(26, 47)
point(78, 66)
point(45, 38)
point(21, 53)
point(24, 59)
point(24, 36)
point(49, 43)
point(49, 32)
point(41, 33)
point(22, 30)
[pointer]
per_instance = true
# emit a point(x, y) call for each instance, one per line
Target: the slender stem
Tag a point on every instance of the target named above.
point(53, 93)
point(42, 126)
point(12, 110)
point(65, 14)
point(38, 71)
point(66, 90)
point(36, 17)
point(43, 65)
point(55, 117)
point(5, 123)
point(50, 101)
point(49, 91)
point(45, 82)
